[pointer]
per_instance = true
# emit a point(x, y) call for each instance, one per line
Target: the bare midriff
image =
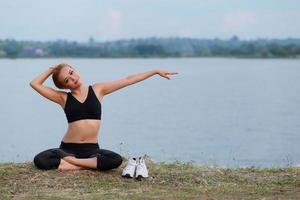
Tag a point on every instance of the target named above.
point(82, 131)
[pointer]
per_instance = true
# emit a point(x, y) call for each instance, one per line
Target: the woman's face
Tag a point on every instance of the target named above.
point(69, 78)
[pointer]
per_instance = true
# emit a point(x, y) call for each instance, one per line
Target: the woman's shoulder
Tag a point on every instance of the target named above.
point(97, 89)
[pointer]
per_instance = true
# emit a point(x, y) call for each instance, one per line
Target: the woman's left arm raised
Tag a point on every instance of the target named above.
point(105, 88)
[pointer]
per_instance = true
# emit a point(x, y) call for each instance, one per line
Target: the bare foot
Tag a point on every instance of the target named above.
point(65, 166)
point(90, 163)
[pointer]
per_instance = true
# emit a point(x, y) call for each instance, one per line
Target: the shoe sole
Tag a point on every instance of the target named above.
point(127, 176)
point(140, 177)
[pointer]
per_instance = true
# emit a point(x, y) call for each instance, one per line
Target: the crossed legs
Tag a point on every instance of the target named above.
point(56, 159)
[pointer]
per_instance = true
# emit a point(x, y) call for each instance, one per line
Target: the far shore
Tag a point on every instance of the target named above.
point(213, 57)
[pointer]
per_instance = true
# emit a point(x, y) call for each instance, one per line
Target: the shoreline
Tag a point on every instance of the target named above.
point(192, 163)
point(161, 58)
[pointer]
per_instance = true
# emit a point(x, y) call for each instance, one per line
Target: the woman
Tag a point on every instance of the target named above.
point(79, 147)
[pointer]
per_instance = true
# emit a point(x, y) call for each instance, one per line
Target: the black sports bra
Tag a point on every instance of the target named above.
point(89, 109)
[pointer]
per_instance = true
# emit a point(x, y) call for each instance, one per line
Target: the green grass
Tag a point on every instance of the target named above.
point(166, 181)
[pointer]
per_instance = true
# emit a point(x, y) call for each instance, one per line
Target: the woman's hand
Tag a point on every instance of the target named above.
point(53, 68)
point(165, 74)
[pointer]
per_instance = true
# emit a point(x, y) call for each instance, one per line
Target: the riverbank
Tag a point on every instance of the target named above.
point(166, 181)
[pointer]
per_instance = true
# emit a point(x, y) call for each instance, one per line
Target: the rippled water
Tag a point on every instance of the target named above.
point(228, 112)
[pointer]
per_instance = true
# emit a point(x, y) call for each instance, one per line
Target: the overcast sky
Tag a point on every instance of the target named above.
point(121, 19)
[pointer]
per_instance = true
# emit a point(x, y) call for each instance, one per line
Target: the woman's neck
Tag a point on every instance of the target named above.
point(79, 90)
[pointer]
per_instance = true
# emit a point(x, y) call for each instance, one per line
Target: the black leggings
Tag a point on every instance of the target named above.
point(50, 159)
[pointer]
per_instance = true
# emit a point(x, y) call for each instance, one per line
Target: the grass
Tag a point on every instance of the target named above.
point(166, 181)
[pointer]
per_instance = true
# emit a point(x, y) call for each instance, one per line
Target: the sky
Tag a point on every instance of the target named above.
point(123, 19)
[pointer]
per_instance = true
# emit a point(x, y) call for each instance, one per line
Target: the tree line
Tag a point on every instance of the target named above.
point(153, 47)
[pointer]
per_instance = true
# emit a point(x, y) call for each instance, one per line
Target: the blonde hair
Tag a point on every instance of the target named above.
point(55, 74)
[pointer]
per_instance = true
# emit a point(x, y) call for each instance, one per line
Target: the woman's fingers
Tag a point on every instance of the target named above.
point(172, 73)
point(166, 74)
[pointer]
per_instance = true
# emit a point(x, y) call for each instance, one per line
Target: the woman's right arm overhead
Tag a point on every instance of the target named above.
point(47, 92)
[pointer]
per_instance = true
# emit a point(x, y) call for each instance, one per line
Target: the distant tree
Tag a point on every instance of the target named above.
point(153, 47)
point(91, 40)
point(12, 48)
point(149, 50)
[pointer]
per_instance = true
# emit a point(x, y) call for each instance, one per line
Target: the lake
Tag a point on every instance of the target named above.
point(216, 111)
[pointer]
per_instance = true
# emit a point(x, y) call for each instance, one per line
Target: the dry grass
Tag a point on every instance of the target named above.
point(166, 181)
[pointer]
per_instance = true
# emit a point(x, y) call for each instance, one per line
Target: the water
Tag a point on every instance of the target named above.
point(225, 112)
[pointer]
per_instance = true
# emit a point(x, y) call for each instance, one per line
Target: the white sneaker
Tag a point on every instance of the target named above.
point(141, 169)
point(129, 170)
